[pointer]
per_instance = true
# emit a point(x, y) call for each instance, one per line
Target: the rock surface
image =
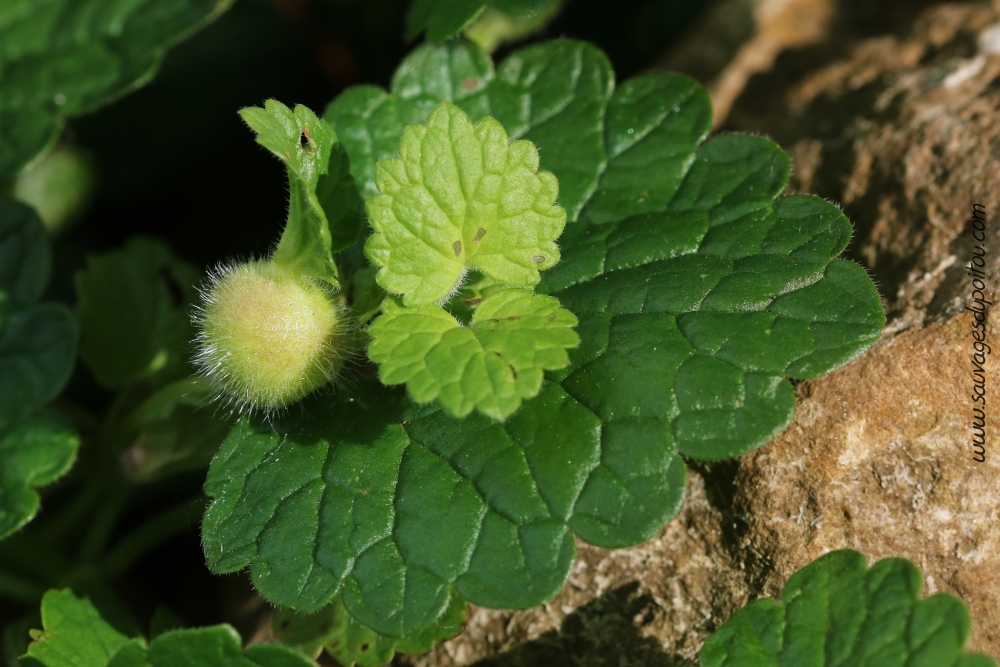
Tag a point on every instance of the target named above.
point(893, 110)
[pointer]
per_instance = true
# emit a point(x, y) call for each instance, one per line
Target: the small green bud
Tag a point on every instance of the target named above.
point(269, 335)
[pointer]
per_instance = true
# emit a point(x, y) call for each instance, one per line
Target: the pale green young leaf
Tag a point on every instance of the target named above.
point(461, 196)
point(34, 451)
point(491, 365)
point(836, 612)
point(323, 207)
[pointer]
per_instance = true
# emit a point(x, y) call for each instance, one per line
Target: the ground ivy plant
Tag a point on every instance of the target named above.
point(571, 289)
point(838, 612)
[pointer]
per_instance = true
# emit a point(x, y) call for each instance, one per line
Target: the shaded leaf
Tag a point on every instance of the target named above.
point(63, 58)
point(134, 307)
point(351, 643)
point(24, 255)
point(443, 19)
point(35, 451)
point(37, 350)
point(406, 507)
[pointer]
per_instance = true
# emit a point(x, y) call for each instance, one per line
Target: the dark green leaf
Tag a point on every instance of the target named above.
point(175, 429)
point(698, 292)
point(217, 646)
point(34, 452)
point(134, 307)
point(835, 612)
point(407, 507)
point(351, 643)
point(24, 255)
point(443, 19)
point(63, 58)
point(37, 350)
point(24, 135)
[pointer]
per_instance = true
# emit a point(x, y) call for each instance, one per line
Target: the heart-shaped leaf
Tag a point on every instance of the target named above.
point(697, 293)
point(835, 612)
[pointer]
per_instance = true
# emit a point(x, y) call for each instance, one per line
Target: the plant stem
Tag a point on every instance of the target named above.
point(104, 520)
point(63, 525)
point(149, 535)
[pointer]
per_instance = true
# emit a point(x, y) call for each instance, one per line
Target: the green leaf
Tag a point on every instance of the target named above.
point(490, 365)
point(134, 307)
point(76, 633)
point(323, 215)
point(25, 135)
point(406, 507)
point(24, 254)
point(62, 58)
point(175, 429)
point(34, 452)
point(366, 295)
point(553, 94)
point(351, 643)
point(217, 646)
point(698, 292)
point(461, 197)
point(443, 19)
point(37, 350)
point(835, 612)
point(82, 632)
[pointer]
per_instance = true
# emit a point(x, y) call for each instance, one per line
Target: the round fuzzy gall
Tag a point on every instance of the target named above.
point(268, 335)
